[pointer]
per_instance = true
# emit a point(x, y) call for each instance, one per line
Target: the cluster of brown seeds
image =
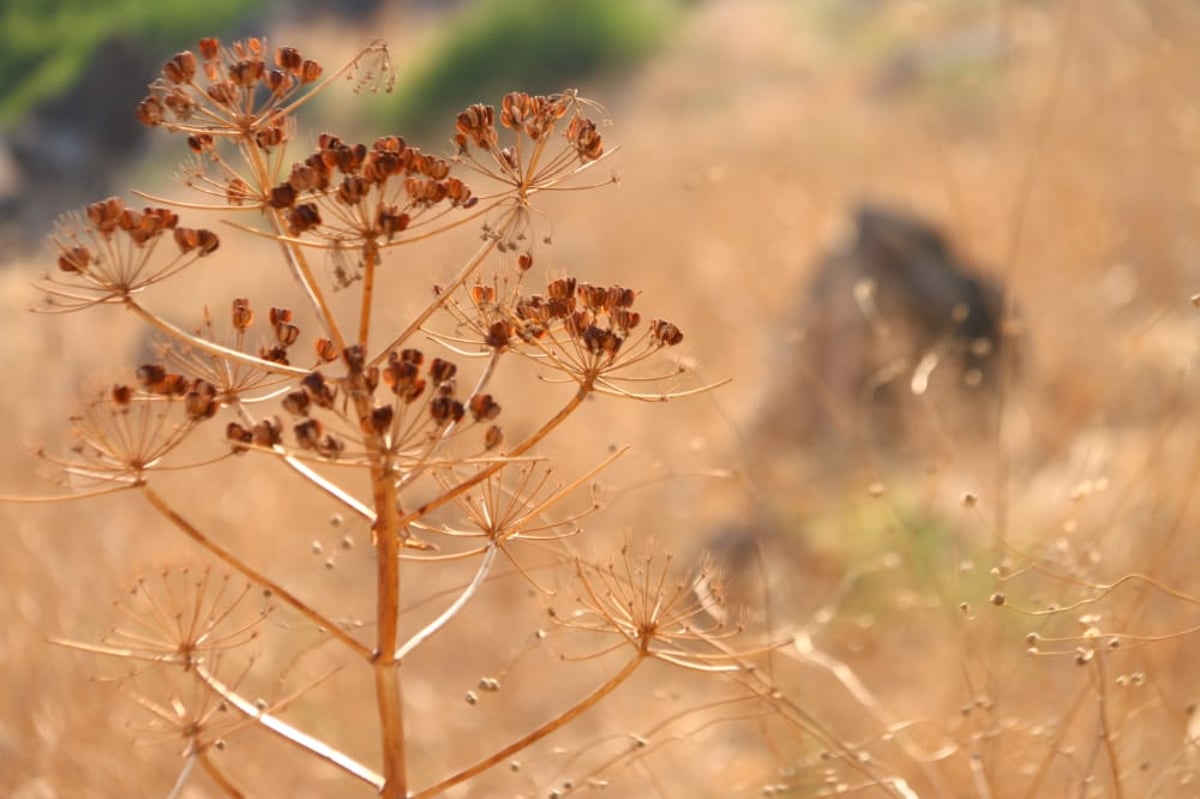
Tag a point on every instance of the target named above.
point(599, 318)
point(408, 379)
point(200, 397)
point(228, 88)
point(535, 116)
point(266, 433)
point(110, 218)
point(109, 252)
point(373, 192)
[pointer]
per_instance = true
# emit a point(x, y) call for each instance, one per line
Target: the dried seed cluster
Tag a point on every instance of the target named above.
point(228, 90)
point(535, 116)
point(599, 318)
point(110, 253)
point(388, 409)
point(536, 160)
point(323, 411)
point(368, 194)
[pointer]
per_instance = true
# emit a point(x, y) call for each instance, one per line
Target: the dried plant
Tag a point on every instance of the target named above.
point(406, 442)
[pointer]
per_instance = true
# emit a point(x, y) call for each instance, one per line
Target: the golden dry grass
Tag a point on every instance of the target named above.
point(1067, 166)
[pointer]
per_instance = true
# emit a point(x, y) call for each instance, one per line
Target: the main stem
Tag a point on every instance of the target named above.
point(386, 535)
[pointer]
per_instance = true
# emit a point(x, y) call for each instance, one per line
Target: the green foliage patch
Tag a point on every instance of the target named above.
point(47, 43)
point(541, 46)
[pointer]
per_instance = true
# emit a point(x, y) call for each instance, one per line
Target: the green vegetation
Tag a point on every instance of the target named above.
point(47, 43)
point(542, 45)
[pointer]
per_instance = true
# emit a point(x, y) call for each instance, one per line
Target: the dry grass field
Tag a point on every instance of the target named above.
point(999, 604)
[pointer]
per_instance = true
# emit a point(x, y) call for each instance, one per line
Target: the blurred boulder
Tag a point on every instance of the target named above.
point(892, 317)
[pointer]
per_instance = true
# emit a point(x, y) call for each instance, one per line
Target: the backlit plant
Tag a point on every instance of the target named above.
point(397, 425)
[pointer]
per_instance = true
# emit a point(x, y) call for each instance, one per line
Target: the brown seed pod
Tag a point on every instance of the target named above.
point(150, 375)
point(561, 289)
point(75, 259)
point(297, 403)
point(238, 435)
point(303, 217)
point(483, 295)
point(440, 370)
point(484, 408)
point(268, 432)
point(200, 402)
point(326, 349)
point(493, 437)
point(243, 317)
point(308, 434)
point(499, 334)
point(181, 68)
point(286, 334)
point(665, 333)
point(319, 390)
point(380, 420)
point(150, 112)
point(289, 58)
point(445, 410)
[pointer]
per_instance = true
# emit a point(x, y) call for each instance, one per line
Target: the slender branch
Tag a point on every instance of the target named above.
point(467, 270)
point(211, 347)
point(182, 779)
point(218, 776)
point(55, 499)
point(535, 735)
point(456, 606)
point(252, 574)
point(477, 478)
point(386, 536)
point(332, 489)
point(295, 257)
point(286, 731)
point(370, 262)
point(1106, 731)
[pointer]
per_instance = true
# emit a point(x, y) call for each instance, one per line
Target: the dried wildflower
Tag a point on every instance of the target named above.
point(187, 616)
point(237, 89)
point(231, 380)
point(552, 141)
point(111, 253)
point(658, 615)
point(122, 435)
point(186, 620)
point(363, 198)
point(515, 504)
point(591, 333)
point(382, 417)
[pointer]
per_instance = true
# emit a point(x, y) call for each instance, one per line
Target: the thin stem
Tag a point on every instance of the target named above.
point(386, 534)
point(218, 776)
point(252, 574)
point(456, 606)
point(295, 256)
point(182, 779)
point(286, 731)
point(520, 449)
point(56, 499)
point(467, 270)
point(370, 261)
point(1106, 731)
point(538, 733)
point(211, 347)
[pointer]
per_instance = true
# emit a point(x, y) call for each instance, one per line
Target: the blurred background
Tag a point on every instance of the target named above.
point(1052, 145)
